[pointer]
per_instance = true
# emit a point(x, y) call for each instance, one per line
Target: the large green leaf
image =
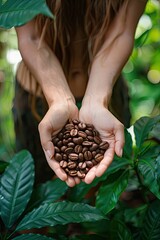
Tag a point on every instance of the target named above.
point(127, 150)
point(47, 192)
point(151, 226)
point(51, 214)
point(150, 173)
point(111, 190)
point(142, 128)
point(16, 187)
point(18, 12)
point(32, 236)
point(119, 231)
point(77, 193)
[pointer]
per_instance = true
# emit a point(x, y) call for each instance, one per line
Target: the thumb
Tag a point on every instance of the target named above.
point(119, 140)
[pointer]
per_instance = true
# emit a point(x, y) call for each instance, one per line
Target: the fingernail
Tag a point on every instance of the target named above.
point(121, 152)
point(49, 153)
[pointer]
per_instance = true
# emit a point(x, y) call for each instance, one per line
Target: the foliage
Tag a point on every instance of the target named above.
point(100, 209)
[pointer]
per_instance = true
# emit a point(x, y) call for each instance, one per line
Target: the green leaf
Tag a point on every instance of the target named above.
point(148, 172)
point(127, 150)
point(18, 12)
point(32, 237)
point(142, 128)
point(3, 166)
point(151, 226)
point(119, 231)
point(59, 213)
point(111, 190)
point(47, 192)
point(16, 187)
point(88, 237)
point(78, 192)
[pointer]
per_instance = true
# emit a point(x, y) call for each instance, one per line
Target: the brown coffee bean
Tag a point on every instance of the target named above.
point(75, 121)
point(57, 150)
point(104, 145)
point(78, 140)
point(66, 170)
point(90, 126)
point(95, 132)
point(82, 134)
point(98, 157)
point(63, 148)
point(69, 126)
point(73, 156)
point(94, 162)
point(65, 141)
point(97, 139)
point(87, 144)
point(84, 149)
point(81, 174)
point(88, 155)
point(60, 144)
point(63, 164)
point(89, 164)
point(88, 132)
point(55, 140)
point(64, 156)
point(71, 165)
point(72, 173)
point(69, 139)
point(81, 157)
point(69, 150)
point(78, 149)
point(60, 135)
point(73, 132)
point(94, 147)
point(67, 135)
point(90, 138)
point(86, 170)
point(94, 153)
point(82, 126)
point(71, 144)
point(58, 157)
point(82, 165)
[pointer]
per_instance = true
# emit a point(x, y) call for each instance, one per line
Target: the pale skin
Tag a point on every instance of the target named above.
point(105, 69)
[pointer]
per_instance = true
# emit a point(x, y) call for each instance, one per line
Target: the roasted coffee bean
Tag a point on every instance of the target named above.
point(98, 157)
point(97, 139)
point(90, 138)
point(63, 148)
point(78, 140)
point(89, 164)
point(71, 144)
point(84, 149)
point(55, 140)
point(104, 145)
point(64, 156)
point(94, 162)
point(87, 143)
point(69, 150)
point(57, 150)
point(74, 132)
point(72, 165)
point(88, 155)
point(67, 135)
point(59, 144)
point(86, 170)
point(65, 141)
point(78, 149)
point(80, 156)
point(73, 156)
point(82, 134)
point(63, 164)
point(69, 126)
point(81, 174)
point(60, 135)
point(88, 132)
point(82, 126)
point(82, 165)
point(58, 157)
point(94, 153)
point(94, 147)
point(72, 173)
point(75, 121)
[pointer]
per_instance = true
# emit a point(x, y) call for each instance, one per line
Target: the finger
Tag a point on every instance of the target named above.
point(107, 160)
point(119, 140)
point(90, 175)
point(70, 182)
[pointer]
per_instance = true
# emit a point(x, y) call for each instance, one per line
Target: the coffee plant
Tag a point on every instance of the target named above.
point(122, 204)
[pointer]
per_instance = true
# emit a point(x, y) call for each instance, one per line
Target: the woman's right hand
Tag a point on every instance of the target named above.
point(54, 120)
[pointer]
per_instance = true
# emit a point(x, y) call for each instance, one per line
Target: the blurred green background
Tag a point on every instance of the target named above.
point(142, 73)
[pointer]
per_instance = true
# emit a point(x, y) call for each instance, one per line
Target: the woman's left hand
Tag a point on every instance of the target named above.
point(110, 129)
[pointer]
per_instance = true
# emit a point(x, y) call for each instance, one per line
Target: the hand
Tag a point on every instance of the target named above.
point(110, 129)
point(51, 124)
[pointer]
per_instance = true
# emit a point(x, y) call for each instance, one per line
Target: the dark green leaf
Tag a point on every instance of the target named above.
point(78, 192)
point(16, 187)
point(142, 128)
point(148, 172)
point(47, 192)
point(18, 12)
point(3, 166)
point(148, 152)
point(119, 231)
point(127, 150)
point(88, 237)
point(32, 237)
point(59, 213)
point(151, 226)
point(111, 190)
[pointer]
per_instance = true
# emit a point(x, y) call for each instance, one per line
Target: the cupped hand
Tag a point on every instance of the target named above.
point(110, 129)
point(54, 120)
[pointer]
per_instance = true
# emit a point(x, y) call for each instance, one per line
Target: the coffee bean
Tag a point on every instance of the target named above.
point(84, 149)
point(72, 173)
point(74, 132)
point(72, 165)
point(104, 145)
point(93, 147)
point(75, 121)
point(95, 133)
point(71, 144)
point(94, 153)
point(81, 156)
point(82, 134)
point(67, 135)
point(78, 149)
point(98, 157)
point(88, 155)
point(60, 144)
point(57, 150)
point(97, 139)
point(89, 164)
point(60, 135)
point(69, 150)
point(82, 126)
point(69, 126)
point(73, 156)
point(58, 157)
point(82, 165)
point(63, 148)
point(90, 138)
point(64, 156)
point(65, 142)
point(94, 162)
point(87, 144)
point(81, 174)
point(63, 164)
point(88, 132)
point(78, 140)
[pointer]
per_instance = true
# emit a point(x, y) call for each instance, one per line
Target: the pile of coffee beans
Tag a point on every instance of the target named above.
point(78, 147)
